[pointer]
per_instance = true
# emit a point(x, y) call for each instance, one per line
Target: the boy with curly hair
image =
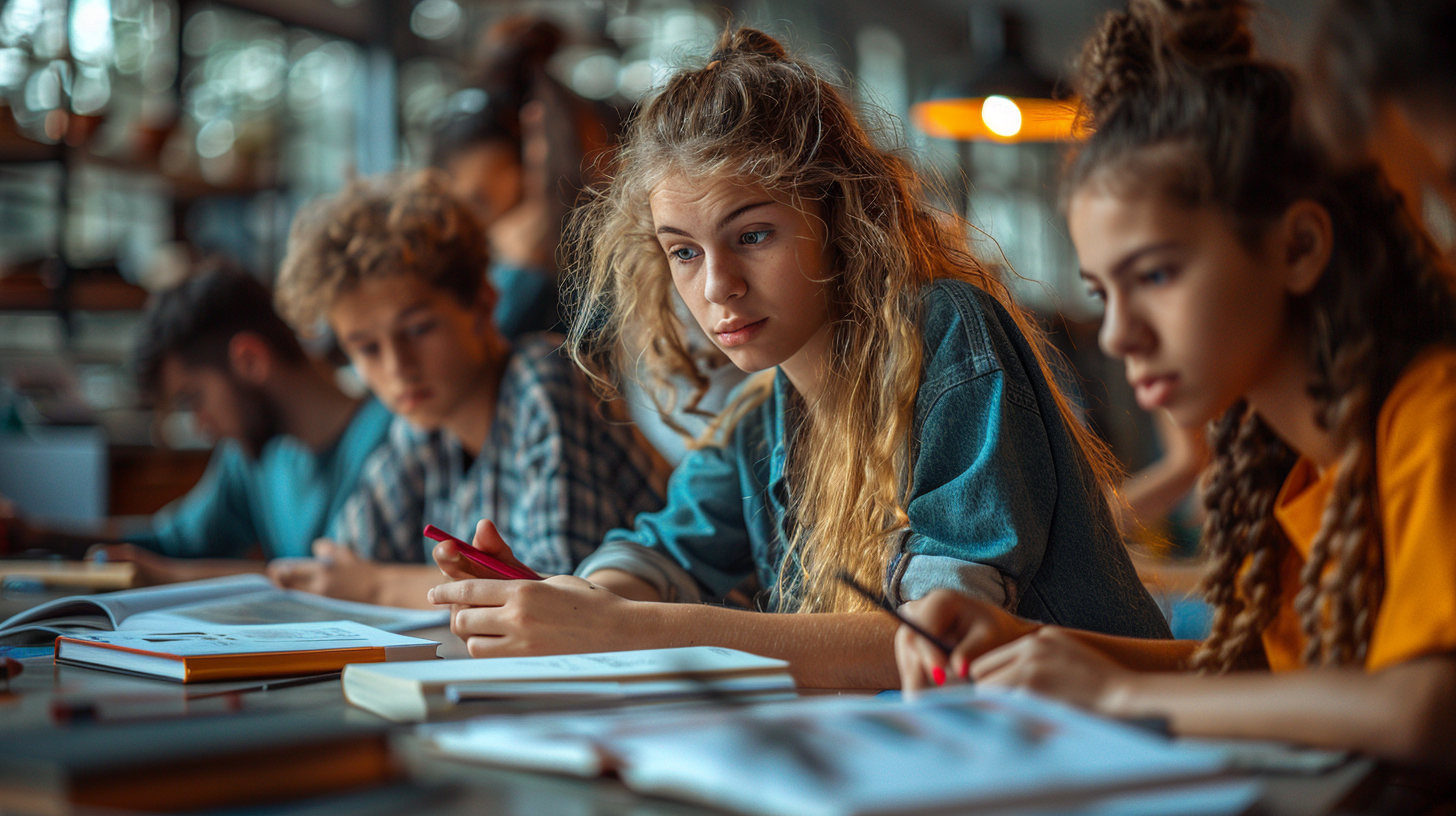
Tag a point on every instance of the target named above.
point(485, 429)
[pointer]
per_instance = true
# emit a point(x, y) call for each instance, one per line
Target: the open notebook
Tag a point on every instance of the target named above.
point(948, 752)
point(232, 601)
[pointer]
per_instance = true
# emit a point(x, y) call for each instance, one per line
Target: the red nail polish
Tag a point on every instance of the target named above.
point(965, 671)
point(938, 675)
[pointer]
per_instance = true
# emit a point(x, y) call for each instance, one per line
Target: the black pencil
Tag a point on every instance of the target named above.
point(849, 581)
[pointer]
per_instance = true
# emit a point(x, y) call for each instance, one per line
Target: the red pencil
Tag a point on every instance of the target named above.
point(490, 562)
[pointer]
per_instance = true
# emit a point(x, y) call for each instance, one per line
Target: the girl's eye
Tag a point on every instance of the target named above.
point(420, 329)
point(367, 350)
point(1097, 295)
point(1156, 277)
point(755, 237)
point(683, 254)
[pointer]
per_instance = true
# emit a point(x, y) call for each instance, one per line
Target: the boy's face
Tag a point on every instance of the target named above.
point(222, 406)
point(420, 350)
point(1198, 319)
point(750, 268)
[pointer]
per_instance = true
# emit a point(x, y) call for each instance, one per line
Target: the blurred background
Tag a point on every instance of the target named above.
point(138, 137)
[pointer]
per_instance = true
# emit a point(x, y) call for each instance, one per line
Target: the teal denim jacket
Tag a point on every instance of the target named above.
point(1003, 505)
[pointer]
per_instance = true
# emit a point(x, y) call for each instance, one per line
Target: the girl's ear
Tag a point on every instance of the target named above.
point(1306, 241)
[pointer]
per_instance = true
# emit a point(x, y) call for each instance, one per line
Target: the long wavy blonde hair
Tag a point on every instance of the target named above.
point(756, 115)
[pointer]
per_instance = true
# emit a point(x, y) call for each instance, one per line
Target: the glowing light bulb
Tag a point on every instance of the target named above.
point(1001, 116)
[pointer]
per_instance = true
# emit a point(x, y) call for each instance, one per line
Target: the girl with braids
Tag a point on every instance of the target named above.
point(1298, 307)
point(904, 429)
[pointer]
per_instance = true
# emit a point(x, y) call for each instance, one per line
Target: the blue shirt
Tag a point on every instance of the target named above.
point(282, 500)
point(525, 300)
point(557, 472)
point(1003, 504)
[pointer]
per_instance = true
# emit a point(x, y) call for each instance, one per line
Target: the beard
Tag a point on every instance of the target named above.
point(260, 418)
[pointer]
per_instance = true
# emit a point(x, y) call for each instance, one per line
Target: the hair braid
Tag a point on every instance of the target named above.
point(1245, 546)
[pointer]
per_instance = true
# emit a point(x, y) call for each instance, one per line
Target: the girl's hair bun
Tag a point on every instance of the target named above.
point(748, 41)
point(1155, 41)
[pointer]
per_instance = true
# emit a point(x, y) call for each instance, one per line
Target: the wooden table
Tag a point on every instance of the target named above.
point(439, 787)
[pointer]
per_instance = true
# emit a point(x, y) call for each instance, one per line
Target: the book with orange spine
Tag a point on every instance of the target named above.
point(241, 652)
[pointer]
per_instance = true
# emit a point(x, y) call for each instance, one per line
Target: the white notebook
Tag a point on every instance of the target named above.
point(415, 691)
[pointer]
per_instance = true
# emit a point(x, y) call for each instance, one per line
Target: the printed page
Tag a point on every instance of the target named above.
point(857, 758)
point(850, 756)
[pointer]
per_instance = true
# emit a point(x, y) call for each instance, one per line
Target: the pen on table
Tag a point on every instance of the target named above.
point(849, 581)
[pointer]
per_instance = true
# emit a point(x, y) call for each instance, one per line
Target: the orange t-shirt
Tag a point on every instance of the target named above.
point(1415, 473)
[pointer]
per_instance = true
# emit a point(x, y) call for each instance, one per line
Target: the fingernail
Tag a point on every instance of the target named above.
point(430, 596)
point(938, 675)
point(965, 671)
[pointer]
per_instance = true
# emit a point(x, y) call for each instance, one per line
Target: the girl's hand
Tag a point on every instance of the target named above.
point(488, 540)
point(1052, 662)
point(975, 626)
point(560, 615)
point(335, 571)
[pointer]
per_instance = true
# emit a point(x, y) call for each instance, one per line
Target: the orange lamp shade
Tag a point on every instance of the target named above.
point(998, 119)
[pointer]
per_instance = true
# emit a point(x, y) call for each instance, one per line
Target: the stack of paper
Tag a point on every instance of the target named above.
point(947, 752)
point(416, 691)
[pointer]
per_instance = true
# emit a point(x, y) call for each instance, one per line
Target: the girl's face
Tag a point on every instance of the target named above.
point(1199, 318)
point(750, 269)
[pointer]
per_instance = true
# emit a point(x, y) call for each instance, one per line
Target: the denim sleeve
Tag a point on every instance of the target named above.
point(698, 543)
point(983, 495)
point(214, 519)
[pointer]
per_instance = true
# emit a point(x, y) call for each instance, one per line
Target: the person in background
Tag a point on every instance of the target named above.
point(1382, 65)
point(904, 429)
point(518, 148)
point(1251, 282)
point(486, 429)
point(291, 444)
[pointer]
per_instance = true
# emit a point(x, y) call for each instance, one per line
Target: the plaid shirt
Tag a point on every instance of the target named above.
point(556, 474)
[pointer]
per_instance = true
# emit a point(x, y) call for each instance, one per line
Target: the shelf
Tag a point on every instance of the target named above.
point(27, 292)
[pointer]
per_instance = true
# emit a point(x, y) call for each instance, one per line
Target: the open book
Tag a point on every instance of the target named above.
point(417, 691)
point(235, 600)
point(948, 752)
